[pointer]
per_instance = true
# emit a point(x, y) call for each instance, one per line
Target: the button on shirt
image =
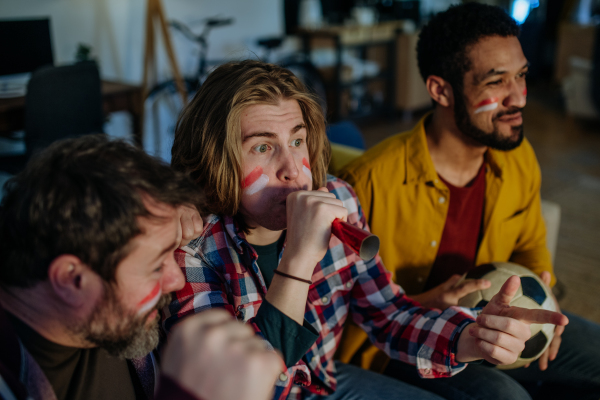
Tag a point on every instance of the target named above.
point(221, 272)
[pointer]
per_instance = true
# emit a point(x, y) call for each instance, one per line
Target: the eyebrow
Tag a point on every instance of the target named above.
point(493, 72)
point(167, 249)
point(270, 134)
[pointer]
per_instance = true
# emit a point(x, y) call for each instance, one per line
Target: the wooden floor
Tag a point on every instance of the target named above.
point(569, 154)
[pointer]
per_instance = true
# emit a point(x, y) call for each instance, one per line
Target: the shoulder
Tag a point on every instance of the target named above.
point(345, 192)
point(389, 156)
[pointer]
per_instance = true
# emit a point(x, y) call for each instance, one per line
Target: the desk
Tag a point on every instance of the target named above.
point(116, 96)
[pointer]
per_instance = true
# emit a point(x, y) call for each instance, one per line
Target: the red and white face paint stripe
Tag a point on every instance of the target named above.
point(306, 168)
point(487, 105)
point(149, 302)
point(255, 181)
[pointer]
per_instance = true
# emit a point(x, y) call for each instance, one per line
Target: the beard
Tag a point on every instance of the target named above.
point(493, 139)
point(117, 330)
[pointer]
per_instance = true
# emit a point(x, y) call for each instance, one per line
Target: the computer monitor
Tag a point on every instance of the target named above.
point(24, 45)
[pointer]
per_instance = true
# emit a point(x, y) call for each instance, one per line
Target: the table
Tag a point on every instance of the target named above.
point(116, 96)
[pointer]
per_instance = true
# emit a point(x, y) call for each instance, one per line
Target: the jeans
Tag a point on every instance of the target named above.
point(574, 374)
point(357, 384)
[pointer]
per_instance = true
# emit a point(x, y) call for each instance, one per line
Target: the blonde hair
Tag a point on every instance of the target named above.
point(208, 136)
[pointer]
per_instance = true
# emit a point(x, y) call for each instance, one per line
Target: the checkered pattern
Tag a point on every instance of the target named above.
point(221, 271)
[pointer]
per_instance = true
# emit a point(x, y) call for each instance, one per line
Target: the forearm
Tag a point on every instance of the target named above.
point(289, 295)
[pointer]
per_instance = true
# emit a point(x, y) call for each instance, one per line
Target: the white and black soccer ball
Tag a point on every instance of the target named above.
point(532, 294)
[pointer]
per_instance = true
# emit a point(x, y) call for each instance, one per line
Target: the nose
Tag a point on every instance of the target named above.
point(172, 279)
point(288, 169)
point(517, 96)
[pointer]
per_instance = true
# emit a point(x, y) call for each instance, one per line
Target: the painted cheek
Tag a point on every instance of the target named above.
point(525, 92)
point(255, 181)
point(486, 105)
point(306, 168)
point(148, 302)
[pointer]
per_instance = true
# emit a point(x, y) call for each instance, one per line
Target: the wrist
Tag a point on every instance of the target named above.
point(466, 347)
point(301, 267)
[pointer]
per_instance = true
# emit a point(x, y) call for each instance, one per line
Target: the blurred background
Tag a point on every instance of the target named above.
point(127, 67)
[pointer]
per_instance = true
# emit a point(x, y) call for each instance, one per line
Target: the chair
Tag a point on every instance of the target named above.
point(347, 143)
point(61, 102)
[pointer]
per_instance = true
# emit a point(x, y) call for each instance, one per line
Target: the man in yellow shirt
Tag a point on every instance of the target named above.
point(463, 189)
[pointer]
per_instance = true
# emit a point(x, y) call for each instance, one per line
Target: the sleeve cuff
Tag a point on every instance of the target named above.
point(285, 334)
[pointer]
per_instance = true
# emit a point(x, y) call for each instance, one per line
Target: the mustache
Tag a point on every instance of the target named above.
point(510, 111)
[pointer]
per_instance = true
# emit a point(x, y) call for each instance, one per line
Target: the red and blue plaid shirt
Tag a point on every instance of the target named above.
point(221, 271)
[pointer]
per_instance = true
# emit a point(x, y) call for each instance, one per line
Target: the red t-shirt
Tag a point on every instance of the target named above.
point(460, 239)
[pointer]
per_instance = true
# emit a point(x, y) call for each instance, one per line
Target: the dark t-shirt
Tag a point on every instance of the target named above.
point(90, 374)
point(285, 334)
point(461, 235)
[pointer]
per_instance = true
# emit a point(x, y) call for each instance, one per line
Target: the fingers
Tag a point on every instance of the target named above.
point(496, 354)
point(555, 344)
point(190, 224)
point(539, 316)
point(543, 360)
point(452, 281)
point(471, 286)
point(546, 277)
point(507, 292)
point(498, 338)
point(507, 325)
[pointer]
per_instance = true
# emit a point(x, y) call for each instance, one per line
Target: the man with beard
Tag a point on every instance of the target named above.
point(254, 140)
point(87, 236)
point(463, 189)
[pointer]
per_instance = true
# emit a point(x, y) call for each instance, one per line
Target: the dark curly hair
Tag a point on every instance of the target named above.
point(445, 40)
point(82, 197)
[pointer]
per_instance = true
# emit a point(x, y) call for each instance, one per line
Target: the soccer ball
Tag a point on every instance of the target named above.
point(532, 294)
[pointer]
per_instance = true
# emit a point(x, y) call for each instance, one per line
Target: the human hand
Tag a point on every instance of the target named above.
point(309, 218)
point(500, 331)
point(215, 357)
point(450, 292)
point(190, 224)
point(552, 350)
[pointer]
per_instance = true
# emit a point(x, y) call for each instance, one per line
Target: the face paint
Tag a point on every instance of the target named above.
point(306, 168)
point(255, 181)
point(487, 105)
point(525, 92)
point(149, 301)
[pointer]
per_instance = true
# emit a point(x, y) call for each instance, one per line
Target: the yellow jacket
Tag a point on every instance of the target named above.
point(406, 205)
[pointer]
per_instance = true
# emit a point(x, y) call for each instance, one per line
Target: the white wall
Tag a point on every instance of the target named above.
point(115, 29)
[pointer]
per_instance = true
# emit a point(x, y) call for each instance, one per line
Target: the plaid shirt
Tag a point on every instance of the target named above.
point(221, 271)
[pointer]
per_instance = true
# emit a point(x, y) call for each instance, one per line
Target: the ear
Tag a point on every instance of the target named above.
point(440, 91)
point(72, 280)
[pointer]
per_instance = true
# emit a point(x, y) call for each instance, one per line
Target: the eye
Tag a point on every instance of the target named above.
point(261, 148)
point(296, 142)
point(499, 81)
point(523, 74)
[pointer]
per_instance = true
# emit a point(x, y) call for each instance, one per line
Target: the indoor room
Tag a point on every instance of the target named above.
point(398, 113)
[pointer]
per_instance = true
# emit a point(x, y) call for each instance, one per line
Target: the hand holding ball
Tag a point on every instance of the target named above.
point(533, 294)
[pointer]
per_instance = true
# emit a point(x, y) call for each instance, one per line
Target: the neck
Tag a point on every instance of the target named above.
point(37, 308)
point(262, 236)
point(455, 157)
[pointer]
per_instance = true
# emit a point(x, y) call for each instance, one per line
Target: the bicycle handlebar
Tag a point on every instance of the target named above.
point(209, 23)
